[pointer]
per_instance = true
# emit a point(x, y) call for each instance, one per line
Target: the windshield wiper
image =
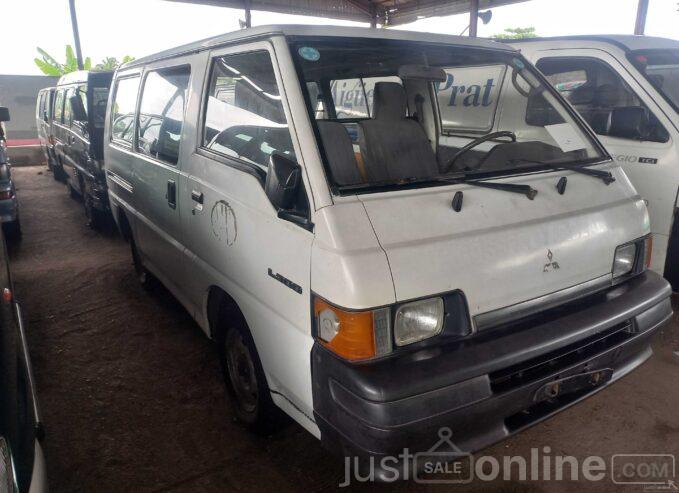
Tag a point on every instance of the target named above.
point(526, 190)
point(605, 176)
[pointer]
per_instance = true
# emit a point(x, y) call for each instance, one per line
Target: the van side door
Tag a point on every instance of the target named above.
point(157, 170)
point(602, 90)
point(234, 237)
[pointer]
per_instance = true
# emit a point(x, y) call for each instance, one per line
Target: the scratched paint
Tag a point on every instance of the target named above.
point(224, 226)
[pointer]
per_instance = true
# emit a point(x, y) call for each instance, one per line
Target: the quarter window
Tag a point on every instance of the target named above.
point(244, 116)
point(603, 98)
point(122, 114)
point(161, 113)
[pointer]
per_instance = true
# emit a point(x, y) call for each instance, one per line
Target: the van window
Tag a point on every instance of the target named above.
point(661, 68)
point(161, 113)
point(82, 92)
point(98, 112)
point(41, 104)
point(68, 113)
point(392, 148)
point(244, 115)
point(123, 109)
point(598, 93)
point(59, 106)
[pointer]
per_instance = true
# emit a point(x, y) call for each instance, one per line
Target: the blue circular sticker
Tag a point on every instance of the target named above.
point(309, 53)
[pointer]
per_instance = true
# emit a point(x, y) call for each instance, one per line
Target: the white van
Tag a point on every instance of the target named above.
point(627, 89)
point(385, 232)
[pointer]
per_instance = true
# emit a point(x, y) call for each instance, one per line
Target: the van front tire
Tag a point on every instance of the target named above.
point(246, 382)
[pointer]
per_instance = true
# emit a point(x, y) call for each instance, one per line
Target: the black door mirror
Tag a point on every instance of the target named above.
point(4, 114)
point(282, 182)
point(78, 109)
point(629, 122)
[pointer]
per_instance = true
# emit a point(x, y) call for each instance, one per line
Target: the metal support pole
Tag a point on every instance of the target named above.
point(473, 17)
point(642, 10)
point(76, 34)
point(248, 14)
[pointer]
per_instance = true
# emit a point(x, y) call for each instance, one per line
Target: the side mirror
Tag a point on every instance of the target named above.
point(629, 122)
point(282, 182)
point(78, 109)
point(4, 114)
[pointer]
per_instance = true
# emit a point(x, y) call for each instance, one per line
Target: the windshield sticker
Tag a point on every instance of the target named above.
point(566, 137)
point(309, 53)
point(518, 64)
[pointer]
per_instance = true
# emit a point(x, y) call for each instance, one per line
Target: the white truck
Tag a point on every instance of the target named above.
point(627, 89)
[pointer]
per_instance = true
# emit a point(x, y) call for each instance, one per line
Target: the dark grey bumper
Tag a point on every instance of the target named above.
point(493, 384)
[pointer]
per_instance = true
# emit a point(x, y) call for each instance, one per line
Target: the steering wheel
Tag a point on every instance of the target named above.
point(476, 142)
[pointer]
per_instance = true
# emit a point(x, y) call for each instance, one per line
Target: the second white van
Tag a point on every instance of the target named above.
point(387, 234)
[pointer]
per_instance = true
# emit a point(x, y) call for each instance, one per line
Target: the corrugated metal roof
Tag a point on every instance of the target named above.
point(386, 12)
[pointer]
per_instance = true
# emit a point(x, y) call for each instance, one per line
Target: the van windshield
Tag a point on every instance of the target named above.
point(390, 112)
point(661, 68)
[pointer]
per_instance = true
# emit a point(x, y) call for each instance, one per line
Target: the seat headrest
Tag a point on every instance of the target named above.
point(389, 101)
point(607, 95)
point(582, 95)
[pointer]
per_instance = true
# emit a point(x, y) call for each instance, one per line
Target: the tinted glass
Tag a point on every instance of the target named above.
point(161, 113)
point(600, 94)
point(245, 117)
point(59, 105)
point(122, 114)
point(661, 68)
point(68, 114)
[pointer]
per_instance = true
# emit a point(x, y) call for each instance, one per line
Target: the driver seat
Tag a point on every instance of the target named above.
point(394, 147)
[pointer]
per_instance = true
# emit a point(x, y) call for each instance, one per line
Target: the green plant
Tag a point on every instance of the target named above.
point(112, 63)
point(516, 33)
point(50, 66)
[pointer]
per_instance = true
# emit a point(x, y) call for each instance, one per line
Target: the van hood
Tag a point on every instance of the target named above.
point(501, 248)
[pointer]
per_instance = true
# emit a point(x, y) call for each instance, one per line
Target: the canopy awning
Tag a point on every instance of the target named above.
point(385, 12)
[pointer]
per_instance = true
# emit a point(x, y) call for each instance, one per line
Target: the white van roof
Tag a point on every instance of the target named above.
point(627, 42)
point(323, 30)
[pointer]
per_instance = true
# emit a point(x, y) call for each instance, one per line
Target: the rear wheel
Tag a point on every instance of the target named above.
point(245, 380)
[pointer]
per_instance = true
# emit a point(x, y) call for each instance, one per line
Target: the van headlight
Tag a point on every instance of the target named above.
point(632, 258)
point(418, 320)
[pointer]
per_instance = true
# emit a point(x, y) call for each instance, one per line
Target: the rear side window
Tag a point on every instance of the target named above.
point(602, 98)
point(68, 114)
point(122, 111)
point(244, 116)
point(161, 113)
point(59, 105)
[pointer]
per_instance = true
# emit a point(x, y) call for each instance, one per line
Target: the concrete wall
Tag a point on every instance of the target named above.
point(19, 94)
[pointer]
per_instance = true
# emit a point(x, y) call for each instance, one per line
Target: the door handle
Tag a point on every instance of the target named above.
point(171, 195)
point(197, 196)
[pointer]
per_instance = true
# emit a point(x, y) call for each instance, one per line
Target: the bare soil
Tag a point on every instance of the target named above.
point(132, 396)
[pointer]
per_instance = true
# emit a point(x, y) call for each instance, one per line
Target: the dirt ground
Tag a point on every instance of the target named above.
point(132, 397)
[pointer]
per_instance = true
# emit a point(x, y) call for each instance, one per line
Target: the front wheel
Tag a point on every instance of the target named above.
point(246, 382)
point(12, 230)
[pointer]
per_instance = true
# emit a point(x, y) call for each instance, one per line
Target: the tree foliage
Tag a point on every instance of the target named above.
point(516, 33)
point(48, 65)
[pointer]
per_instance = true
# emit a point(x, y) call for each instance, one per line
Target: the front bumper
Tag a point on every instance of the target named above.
point(490, 385)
